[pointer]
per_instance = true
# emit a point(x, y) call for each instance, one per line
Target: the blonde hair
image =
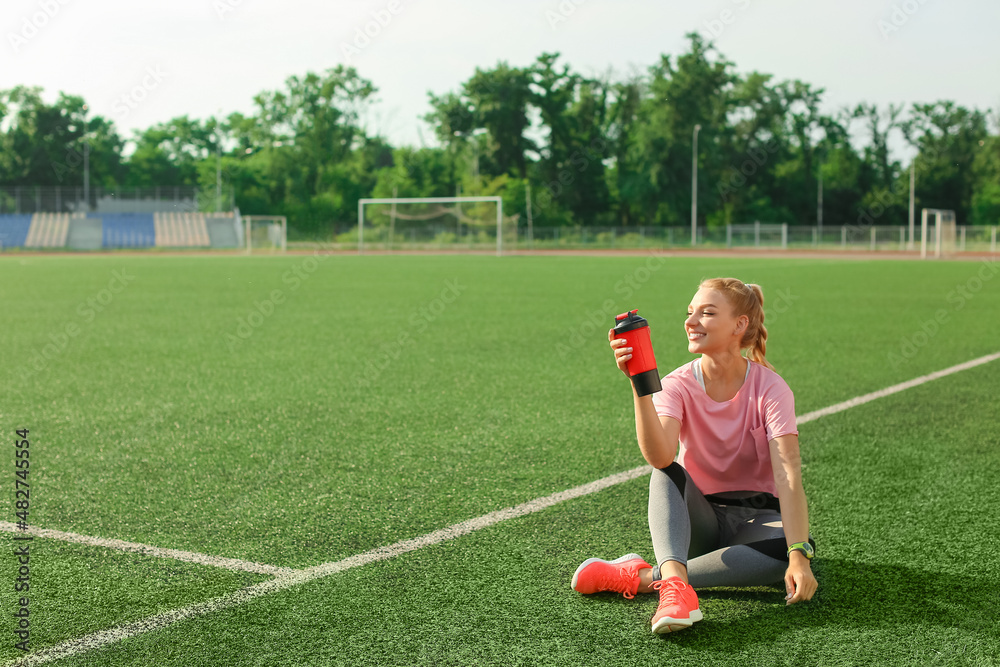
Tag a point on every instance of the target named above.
point(745, 299)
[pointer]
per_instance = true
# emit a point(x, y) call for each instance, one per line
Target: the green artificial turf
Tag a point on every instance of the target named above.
point(77, 590)
point(379, 398)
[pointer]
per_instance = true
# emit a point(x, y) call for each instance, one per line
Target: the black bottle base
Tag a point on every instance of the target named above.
point(647, 383)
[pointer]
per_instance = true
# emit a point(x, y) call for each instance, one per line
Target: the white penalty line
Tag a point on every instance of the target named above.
point(159, 552)
point(296, 577)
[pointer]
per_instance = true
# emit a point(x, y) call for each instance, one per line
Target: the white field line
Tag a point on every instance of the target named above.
point(895, 389)
point(285, 581)
point(188, 556)
point(105, 637)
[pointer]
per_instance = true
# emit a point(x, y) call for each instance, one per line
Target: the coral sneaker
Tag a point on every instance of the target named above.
point(678, 607)
point(621, 575)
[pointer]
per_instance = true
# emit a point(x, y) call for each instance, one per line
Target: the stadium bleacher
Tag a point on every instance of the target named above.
point(127, 230)
point(48, 230)
point(97, 230)
point(181, 230)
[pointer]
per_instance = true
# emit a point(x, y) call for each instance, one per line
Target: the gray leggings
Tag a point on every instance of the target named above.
point(728, 545)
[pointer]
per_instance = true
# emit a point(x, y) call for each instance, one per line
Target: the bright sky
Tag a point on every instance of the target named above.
point(142, 62)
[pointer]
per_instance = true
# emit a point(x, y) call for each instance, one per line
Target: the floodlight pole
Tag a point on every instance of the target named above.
point(694, 188)
point(86, 161)
point(218, 178)
point(913, 182)
point(499, 231)
point(923, 234)
point(361, 226)
point(531, 237)
point(819, 203)
point(218, 167)
point(392, 219)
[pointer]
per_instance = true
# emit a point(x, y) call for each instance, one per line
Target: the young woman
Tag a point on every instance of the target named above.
point(730, 510)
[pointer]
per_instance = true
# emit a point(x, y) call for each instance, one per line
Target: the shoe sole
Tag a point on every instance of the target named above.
point(587, 562)
point(667, 624)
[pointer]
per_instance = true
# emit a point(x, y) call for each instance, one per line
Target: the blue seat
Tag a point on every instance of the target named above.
point(127, 230)
point(14, 229)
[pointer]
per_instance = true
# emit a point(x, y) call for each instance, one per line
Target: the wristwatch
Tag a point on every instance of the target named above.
point(806, 549)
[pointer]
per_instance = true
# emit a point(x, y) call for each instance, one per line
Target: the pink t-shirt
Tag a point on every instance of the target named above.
point(724, 446)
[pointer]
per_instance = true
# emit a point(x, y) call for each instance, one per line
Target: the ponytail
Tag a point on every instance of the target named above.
point(757, 342)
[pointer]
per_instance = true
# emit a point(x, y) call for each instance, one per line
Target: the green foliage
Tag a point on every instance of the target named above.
point(43, 144)
point(986, 204)
point(424, 172)
point(501, 97)
point(986, 191)
point(172, 152)
point(948, 138)
point(594, 151)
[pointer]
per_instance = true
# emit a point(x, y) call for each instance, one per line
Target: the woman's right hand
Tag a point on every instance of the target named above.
point(622, 353)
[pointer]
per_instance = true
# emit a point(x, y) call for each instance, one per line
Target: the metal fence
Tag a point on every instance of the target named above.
point(754, 235)
point(73, 199)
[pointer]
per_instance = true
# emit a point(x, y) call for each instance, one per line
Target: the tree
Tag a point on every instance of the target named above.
point(569, 174)
point(588, 198)
point(883, 171)
point(608, 150)
point(697, 91)
point(44, 144)
point(553, 91)
point(948, 138)
point(627, 183)
point(841, 167)
point(756, 143)
point(169, 153)
point(424, 172)
point(308, 143)
point(986, 189)
point(500, 98)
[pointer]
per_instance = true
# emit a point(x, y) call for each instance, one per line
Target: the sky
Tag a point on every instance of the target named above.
point(140, 63)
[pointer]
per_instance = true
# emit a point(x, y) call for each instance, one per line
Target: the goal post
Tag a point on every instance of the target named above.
point(757, 235)
point(265, 233)
point(454, 212)
point(944, 232)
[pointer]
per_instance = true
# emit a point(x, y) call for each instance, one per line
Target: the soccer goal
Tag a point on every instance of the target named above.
point(434, 223)
point(265, 233)
point(757, 235)
point(944, 232)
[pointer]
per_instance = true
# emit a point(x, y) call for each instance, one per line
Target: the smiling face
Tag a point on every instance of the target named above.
point(710, 325)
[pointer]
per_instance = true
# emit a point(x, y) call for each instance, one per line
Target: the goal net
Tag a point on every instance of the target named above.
point(942, 239)
point(265, 233)
point(757, 235)
point(434, 223)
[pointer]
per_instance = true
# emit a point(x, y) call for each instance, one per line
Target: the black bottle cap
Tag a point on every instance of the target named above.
point(629, 321)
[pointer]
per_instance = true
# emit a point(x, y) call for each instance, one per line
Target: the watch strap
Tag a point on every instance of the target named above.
point(806, 549)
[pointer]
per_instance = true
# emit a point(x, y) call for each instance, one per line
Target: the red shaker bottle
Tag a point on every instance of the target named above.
point(642, 366)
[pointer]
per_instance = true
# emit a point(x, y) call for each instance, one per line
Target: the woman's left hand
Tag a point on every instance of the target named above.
point(800, 584)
